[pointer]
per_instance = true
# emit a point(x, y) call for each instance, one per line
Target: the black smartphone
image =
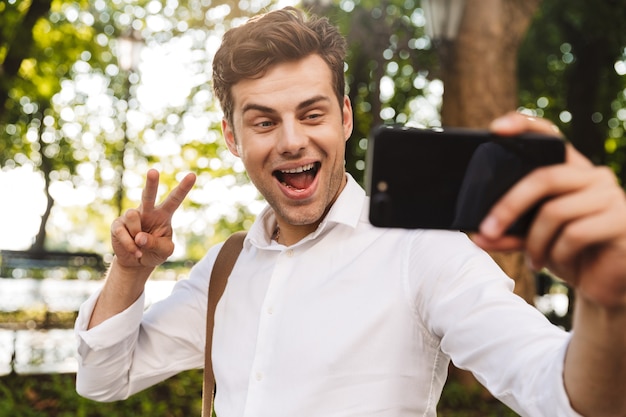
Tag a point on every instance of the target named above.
point(449, 178)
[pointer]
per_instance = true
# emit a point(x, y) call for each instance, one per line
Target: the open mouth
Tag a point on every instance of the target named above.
point(299, 178)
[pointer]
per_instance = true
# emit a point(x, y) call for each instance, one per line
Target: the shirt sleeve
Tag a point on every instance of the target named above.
point(468, 303)
point(134, 350)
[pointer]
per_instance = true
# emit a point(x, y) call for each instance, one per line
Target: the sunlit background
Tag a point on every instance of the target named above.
point(166, 74)
point(165, 81)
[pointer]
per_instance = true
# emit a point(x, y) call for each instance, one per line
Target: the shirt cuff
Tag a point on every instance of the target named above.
point(113, 330)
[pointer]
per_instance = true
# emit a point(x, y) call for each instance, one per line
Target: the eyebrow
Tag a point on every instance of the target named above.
point(265, 109)
point(312, 101)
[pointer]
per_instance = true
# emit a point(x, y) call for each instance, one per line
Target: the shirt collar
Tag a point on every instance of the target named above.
point(346, 210)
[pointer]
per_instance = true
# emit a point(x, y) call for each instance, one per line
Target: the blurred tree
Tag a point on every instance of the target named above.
point(572, 71)
point(479, 68)
point(17, 29)
point(69, 111)
point(389, 64)
point(39, 42)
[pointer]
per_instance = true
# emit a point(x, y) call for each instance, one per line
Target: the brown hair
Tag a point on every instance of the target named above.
point(248, 51)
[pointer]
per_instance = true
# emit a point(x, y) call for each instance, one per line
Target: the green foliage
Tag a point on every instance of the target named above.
point(49, 51)
point(55, 396)
point(57, 43)
point(179, 396)
point(568, 73)
point(38, 317)
point(458, 400)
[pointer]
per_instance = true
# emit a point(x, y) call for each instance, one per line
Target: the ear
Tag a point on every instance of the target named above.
point(347, 118)
point(229, 137)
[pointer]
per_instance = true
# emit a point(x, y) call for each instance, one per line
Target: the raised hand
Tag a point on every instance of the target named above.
point(142, 237)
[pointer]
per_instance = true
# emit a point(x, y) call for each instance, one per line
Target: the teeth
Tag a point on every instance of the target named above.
point(298, 169)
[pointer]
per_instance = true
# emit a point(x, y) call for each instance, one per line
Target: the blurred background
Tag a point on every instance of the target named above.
point(95, 92)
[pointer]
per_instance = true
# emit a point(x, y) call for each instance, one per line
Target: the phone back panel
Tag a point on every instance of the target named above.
point(449, 178)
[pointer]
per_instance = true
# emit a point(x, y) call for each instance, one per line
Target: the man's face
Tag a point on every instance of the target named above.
point(290, 132)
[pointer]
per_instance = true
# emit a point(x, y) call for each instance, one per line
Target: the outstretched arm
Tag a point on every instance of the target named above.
point(579, 233)
point(142, 240)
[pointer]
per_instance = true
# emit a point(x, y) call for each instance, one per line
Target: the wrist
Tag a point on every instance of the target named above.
point(600, 326)
point(129, 269)
point(122, 287)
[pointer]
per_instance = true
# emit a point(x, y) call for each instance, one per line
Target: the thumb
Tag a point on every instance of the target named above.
point(155, 249)
point(141, 240)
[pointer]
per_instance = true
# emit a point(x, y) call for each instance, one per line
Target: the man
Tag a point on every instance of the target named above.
point(326, 315)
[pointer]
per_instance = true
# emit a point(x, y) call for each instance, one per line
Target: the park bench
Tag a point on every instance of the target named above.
point(31, 261)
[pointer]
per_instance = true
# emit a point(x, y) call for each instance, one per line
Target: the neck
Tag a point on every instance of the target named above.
point(287, 234)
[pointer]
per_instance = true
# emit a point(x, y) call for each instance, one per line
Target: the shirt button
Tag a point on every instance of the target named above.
point(270, 310)
point(289, 253)
point(259, 376)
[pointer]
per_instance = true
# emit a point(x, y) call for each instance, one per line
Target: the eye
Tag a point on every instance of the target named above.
point(312, 116)
point(265, 123)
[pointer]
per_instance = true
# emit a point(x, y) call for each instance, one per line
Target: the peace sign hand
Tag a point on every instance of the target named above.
point(142, 237)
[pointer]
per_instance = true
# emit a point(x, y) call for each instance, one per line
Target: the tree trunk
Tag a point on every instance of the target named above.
point(479, 72)
point(39, 245)
point(19, 48)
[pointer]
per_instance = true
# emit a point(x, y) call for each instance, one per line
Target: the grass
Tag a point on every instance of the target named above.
point(55, 396)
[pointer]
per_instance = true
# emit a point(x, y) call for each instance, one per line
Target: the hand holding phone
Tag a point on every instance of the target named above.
point(449, 178)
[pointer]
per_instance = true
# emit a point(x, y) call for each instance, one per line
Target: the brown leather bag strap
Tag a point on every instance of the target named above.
point(222, 268)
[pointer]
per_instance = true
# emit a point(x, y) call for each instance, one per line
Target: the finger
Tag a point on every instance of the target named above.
point(539, 185)
point(557, 215)
point(514, 123)
point(573, 157)
point(132, 221)
point(155, 250)
point(501, 244)
point(178, 194)
point(123, 240)
point(585, 233)
point(162, 247)
point(592, 230)
point(149, 194)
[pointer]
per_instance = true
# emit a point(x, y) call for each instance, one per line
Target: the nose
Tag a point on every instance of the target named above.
point(292, 138)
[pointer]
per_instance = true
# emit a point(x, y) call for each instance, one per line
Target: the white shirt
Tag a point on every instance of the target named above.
point(351, 321)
